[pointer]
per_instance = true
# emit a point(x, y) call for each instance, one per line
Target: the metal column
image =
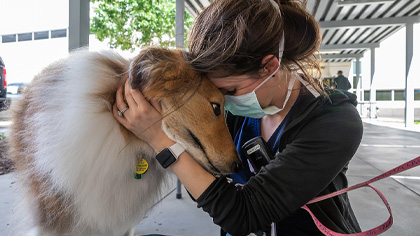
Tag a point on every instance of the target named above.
point(359, 91)
point(79, 24)
point(372, 97)
point(179, 42)
point(409, 89)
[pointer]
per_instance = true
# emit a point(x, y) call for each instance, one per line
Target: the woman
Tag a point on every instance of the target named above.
point(260, 54)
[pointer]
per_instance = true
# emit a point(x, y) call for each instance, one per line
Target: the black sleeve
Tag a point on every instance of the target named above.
point(319, 151)
point(348, 85)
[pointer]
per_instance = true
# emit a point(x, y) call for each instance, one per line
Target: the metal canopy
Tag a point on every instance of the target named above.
point(350, 27)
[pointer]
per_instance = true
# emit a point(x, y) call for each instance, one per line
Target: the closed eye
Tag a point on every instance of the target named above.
point(216, 108)
point(231, 92)
point(228, 92)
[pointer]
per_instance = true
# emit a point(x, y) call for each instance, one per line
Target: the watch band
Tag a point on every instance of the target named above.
point(177, 149)
point(169, 155)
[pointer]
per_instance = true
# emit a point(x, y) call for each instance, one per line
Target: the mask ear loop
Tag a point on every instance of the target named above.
point(281, 44)
point(281, 48)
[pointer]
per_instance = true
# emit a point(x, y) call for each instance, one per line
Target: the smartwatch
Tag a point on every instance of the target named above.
point(169, 155)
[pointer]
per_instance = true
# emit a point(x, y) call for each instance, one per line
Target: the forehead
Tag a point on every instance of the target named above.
point(234, 81)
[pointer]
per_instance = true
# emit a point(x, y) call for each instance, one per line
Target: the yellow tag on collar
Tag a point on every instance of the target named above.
point(141, 167)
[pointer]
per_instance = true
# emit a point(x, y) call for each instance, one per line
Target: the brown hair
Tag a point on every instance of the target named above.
point(231, 37)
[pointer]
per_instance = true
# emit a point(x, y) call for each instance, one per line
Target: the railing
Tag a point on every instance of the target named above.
point(371, 107)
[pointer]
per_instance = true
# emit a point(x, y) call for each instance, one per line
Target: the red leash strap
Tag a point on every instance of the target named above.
point(375, 231)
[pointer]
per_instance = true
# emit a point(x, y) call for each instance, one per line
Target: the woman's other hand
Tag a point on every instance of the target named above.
point(142, 117)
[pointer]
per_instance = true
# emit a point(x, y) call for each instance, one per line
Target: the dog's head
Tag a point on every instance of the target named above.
point(192, 106)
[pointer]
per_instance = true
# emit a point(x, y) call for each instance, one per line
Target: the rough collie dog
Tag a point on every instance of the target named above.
point(76, 164)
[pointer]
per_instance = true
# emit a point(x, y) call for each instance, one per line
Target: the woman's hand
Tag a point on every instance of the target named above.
point(142, 117)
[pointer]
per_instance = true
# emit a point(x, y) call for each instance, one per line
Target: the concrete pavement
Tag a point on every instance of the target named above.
point(382, 149)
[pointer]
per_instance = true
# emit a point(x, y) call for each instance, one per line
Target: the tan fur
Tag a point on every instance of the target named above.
point(75, 162)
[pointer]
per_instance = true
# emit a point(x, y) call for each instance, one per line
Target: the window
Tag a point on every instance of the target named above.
point(41, 35)
point(417, 94)
point(355, 82)
point(25, 37)
point(8, 38)
point(399, 95)
point(367, 95)
point(58, 33)
point(385, 95)
point(354, 67)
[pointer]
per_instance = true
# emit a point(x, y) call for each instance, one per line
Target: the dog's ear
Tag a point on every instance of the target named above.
point(160, 72)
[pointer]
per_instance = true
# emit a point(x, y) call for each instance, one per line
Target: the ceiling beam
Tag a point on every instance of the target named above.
point(361, 2)
point(369, 22)
point(340, 56)
point(348, 46)
point(191, 8)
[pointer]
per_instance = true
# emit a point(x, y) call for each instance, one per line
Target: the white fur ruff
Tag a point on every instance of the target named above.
point(79, 148)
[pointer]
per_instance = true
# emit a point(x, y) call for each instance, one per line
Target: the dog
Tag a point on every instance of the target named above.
point(75, 164)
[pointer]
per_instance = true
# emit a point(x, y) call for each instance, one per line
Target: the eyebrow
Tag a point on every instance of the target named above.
point(232, 88)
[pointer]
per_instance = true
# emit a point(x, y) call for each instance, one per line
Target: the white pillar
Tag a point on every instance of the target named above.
point(79, 24)
point(372, 97)
point(179, 42)
point(409, 88)
point(359, 91)
point(179, 23)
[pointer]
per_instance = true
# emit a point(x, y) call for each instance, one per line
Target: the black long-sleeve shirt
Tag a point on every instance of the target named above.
point(315, 148)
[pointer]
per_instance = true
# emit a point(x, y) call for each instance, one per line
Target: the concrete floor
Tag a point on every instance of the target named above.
point(382, 149)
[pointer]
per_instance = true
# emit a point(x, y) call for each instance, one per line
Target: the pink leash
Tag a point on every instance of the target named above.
point(377, 230)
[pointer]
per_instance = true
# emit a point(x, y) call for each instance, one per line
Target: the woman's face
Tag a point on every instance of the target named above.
point(272, 92)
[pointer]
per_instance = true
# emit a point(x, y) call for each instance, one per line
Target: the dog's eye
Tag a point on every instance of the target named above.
point(216, 109)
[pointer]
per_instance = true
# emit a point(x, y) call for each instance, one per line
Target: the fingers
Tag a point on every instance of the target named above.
point(156, 105)
point(142, 102)
point(120, 99)
point(119, 118)
point(138, 98)
point(128, 95)
point(136, 102)
point(142, 118)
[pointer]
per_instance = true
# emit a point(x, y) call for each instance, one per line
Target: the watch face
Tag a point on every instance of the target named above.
point(165, 158)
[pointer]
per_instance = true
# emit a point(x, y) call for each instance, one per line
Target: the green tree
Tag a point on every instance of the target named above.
point(136, 23)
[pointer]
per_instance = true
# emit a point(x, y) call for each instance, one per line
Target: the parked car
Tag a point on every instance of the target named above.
point(3, 85)
point(15, 88)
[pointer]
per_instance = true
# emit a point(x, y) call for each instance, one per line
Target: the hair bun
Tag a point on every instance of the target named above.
point(303, 35)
